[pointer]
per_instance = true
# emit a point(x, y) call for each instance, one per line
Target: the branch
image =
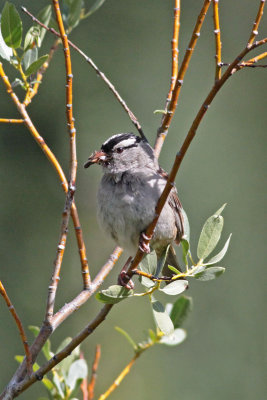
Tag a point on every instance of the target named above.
point(97, 70)
point(175, 49)
point(218, 44)
point(11, 121)
point(92, 382)
point(256, 24)
point(163, 129)
point(20, 327)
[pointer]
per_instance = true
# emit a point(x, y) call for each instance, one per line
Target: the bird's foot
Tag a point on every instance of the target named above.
point(124, 279)
point(143, 246)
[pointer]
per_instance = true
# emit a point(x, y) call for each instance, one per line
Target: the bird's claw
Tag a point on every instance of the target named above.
point(144, 247)
point(125, 281)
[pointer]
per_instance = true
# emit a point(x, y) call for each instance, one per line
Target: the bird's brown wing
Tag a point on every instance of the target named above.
point(176, 205)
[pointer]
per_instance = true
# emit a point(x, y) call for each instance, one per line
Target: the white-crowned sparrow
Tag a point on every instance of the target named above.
point(129, 190)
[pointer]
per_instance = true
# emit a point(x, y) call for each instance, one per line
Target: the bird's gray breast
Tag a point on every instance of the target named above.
point(126, 206)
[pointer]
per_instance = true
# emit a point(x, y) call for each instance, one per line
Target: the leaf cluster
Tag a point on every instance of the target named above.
point(66, 377)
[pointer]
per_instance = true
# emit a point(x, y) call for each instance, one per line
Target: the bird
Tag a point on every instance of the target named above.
point(128, 193)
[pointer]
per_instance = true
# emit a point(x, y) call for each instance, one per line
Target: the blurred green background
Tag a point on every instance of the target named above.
point(130, 41)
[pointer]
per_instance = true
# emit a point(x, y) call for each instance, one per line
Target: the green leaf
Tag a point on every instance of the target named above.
point(114, 294)
point(75, 13)
point(44, 16)
point(173, 269)
point(161, 261)
point(185, 247)
point(159, 112)
point(29, 57)
point(11, 26)
point(175, 288)
point(34, 329)
point(180, 310)
point(209, 273)
point(19, 359)
point(210, 234)
point(97, 4)
point(148, 265)
point(127, 336)
point(5, 51)
point(186, 234)
point(177, 337)
point(221, 254)
point(48, 384)
point(36, 65)
point(162, 319)
point(32, 38)
point(78, 371)
point(66, 362)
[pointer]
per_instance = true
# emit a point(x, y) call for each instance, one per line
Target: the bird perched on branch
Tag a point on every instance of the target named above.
point(128, 194)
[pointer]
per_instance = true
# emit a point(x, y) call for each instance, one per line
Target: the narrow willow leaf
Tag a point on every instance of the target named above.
point(186, 234)
point(59, 385)
point(185, 247)
point(177, 337)
point(48, 384)
point(152, 335)
point(66, 363)
point(209, 273)
point(11, 26)
point(114, 294)
point(78, 371)
point(34, 329)
point(30, 57)
point(5, 51)
point(173, 269)
point(44, 16)
point(97, 4)
point(36, 65)
point(221, 254)
point(175, 288)
point(210, 235)
point(148, 265)
point(162, 319)
point(180, 310)
point(127, 336)
point(218, 212)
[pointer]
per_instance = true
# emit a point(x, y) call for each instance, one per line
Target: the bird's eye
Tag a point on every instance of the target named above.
point(119, 150)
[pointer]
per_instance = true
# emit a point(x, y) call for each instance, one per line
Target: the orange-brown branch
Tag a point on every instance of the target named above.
point(175, 48)
point(256, 24)
point(91, 385)
point(11, 121)
point(218, 43)
point(20, 327)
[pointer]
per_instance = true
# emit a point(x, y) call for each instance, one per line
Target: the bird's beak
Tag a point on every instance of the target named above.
point(97, 157)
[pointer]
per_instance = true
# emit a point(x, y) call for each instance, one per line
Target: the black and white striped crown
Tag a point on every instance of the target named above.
point(125, 140)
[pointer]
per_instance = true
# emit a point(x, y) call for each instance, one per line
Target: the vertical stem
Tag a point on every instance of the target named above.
point(218, 44)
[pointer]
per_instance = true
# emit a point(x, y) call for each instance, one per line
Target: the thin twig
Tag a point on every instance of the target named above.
point(91, 385)
point(163, 129)
point(256, 24)
point(97, 70)
point(73, 168)
point(175, 49)
point(120, 377)
point(19, 326)
point(251, 63)
point(218, 43)
point(11, 121)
